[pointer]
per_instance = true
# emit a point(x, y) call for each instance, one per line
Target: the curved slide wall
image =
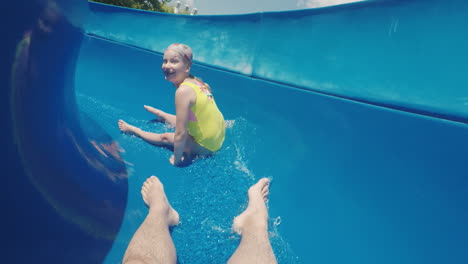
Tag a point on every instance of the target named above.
point(402, 54)
point(359, 119)
point(64, 195)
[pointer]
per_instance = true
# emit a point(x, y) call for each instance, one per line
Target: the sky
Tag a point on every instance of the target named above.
point(224, 7)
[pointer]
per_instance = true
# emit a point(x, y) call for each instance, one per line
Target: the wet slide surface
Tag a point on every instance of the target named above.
point(357, 113)
point(349, 176)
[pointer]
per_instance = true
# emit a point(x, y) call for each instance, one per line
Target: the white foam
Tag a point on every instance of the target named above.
point(230, 123)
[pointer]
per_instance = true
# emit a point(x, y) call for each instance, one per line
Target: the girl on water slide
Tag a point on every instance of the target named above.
point(199, 125)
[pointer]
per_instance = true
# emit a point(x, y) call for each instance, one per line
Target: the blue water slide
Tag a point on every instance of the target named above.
point(358, 113)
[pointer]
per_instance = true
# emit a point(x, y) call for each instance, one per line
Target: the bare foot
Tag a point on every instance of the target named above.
point(155, 198)
point(154, 111)
point(256, 214)
point(127, 128)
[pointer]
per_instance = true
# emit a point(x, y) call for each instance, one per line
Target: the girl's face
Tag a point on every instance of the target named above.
point(174, 67)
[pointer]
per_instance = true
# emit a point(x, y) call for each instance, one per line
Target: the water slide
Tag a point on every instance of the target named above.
point(358, 113)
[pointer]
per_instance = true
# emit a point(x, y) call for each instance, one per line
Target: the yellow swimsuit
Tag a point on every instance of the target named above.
point(206, 123)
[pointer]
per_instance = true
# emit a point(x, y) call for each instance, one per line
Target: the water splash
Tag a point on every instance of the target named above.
point(276, 222)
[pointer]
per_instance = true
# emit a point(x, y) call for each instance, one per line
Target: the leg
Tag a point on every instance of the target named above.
point(165, 139)
point(192, 149)
point(252, 225)
point(168, 118)
point(152, 242)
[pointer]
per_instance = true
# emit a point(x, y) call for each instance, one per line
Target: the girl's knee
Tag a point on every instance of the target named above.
point(167, 137)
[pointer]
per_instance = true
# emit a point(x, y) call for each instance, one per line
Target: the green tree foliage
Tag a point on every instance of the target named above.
point(151, 5)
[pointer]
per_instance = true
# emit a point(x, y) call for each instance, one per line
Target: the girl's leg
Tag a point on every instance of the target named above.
point(165, 139)
point(168, 118)
point(192, 149)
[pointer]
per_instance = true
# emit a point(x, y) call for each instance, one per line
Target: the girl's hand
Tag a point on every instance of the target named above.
point(174, 162)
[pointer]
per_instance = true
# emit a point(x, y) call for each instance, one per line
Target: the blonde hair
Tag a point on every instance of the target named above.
point(184, 51)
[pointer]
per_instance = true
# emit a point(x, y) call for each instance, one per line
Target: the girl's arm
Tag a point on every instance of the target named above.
point(184, 98)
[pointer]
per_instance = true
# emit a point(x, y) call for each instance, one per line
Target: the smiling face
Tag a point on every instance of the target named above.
point(174, 67)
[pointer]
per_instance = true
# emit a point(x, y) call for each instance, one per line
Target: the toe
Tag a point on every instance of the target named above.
point(264, 181)
point(146, 184)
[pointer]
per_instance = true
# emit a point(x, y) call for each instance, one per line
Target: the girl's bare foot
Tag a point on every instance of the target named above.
point(156, 200)
point(256, 214)
point(126, 128)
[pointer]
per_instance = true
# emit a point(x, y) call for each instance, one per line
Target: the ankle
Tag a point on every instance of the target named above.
point(254, 230)
point(159, 209)
point(160, 214)
point(252, 222)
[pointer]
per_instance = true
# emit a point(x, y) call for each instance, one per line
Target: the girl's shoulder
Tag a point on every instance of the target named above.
point(194, 82)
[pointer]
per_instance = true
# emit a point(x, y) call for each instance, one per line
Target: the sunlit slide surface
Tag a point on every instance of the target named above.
point(357, 113)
